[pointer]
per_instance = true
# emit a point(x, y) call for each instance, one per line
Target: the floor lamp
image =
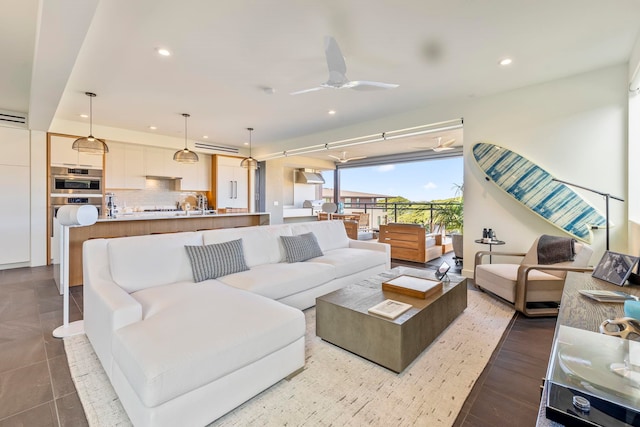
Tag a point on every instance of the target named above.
point(607, 196)
point(70, 216)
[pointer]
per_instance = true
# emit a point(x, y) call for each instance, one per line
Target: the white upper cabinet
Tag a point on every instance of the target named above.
point(63, 155)
point(196, 176)
point(15, 147)
point(15, 206)
point(125, 167)
point(159, 162)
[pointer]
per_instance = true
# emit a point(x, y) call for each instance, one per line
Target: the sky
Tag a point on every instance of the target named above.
point(417, 181)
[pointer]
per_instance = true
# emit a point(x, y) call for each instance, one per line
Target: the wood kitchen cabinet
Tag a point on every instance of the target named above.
point(125, 167)
point(63, 155)
point(230, 186)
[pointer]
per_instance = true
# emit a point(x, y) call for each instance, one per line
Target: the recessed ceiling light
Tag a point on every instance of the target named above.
point(205, 136)
point(246, 143)
point(163, 52)
point(505, 61)
point(331, 112)
point(84, 116)
point(153, 127)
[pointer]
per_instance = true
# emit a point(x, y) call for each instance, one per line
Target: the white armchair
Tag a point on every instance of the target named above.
point(534, 289)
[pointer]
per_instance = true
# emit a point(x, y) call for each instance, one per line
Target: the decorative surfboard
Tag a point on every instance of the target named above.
point(532, 186)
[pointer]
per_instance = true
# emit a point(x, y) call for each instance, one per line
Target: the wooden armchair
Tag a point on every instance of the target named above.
point(533, 289)
point(410, 242)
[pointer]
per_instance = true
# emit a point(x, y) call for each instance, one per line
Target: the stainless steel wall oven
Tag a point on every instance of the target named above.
point(75, 181)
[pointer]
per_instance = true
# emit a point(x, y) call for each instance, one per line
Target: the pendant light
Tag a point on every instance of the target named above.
point(185, 156)
point(249, 162)
point(90, 144)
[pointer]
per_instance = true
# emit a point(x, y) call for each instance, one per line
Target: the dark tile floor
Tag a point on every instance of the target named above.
point(35, 385)
point(36, 388)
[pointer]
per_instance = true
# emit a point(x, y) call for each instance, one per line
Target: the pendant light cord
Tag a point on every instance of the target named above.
point(91, 115)
point(185, 131)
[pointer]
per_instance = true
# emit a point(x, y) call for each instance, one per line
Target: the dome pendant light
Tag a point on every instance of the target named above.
point(185, 156)
point(90, 144)
point(249, 162)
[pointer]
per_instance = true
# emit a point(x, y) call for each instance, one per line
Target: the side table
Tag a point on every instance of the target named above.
point(490, 243)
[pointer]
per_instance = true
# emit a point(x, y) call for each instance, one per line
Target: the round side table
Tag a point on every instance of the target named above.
point(491, 243)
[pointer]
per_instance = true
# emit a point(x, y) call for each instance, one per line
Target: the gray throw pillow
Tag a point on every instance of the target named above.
point(216, 260)
point(301, 247)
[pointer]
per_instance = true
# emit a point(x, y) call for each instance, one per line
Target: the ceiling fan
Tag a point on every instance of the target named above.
point(338, 70)
point(443, 146)
point(344, 159)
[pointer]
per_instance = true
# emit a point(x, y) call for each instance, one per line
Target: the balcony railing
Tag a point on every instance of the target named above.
point(423, 213)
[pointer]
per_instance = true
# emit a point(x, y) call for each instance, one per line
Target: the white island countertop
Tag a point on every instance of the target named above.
point(145, 216)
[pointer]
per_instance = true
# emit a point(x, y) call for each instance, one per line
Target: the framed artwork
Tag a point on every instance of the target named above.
point(615, 267)
point(442, 270)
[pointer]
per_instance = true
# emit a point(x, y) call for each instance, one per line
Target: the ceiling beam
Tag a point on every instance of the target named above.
point(61, 29)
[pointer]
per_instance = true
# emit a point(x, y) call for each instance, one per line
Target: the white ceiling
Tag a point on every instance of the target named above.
point(226, 53)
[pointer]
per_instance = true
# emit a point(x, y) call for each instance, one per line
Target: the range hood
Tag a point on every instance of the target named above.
point(308, 177)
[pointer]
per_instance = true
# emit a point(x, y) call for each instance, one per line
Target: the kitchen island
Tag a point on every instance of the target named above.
point(141, 225)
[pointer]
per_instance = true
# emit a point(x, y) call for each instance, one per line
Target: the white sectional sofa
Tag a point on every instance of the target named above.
point(184, 353)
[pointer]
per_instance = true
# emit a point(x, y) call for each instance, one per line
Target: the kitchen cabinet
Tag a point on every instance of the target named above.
point(196, 176)
point(63, 155)
point(15, 207)
point(230, 182)
point(159, 162)
point(125, 167)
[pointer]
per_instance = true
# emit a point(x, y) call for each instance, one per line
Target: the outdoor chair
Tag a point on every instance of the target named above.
point(532, 288)
point(363, 220)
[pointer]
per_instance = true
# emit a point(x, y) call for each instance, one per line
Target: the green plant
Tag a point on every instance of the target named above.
point(450, 213)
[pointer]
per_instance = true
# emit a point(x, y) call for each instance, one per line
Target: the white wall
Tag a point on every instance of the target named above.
point(280, 185)
point(39, 198)
point(575, 128)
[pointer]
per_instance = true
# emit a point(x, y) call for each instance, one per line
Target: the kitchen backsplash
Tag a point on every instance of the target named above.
point(158, 193)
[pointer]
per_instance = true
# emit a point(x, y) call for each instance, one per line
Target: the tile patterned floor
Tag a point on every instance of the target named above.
point(36, 388)
point(35, 384)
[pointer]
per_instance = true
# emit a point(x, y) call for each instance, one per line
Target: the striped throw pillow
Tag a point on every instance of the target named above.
point(216, 260)
point(301, 247)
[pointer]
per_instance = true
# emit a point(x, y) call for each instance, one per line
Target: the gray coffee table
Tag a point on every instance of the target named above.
point(342, 318)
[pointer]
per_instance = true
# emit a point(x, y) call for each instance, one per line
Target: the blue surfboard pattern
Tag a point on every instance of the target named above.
point(533, 187)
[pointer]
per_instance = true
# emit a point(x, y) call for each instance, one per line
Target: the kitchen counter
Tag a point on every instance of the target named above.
point(141, 225)
point(137, 216)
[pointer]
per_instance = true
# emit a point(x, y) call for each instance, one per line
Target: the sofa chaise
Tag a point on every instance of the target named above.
point(181, 352)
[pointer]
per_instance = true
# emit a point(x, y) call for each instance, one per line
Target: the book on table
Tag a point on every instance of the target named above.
point(390, 308)
point(607, 296)
point(412, 286)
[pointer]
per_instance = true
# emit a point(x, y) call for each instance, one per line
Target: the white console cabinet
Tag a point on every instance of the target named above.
point(231, 182)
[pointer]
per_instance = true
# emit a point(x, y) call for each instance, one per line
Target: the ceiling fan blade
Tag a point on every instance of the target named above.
point(448, 143)
point(335, 60)
point(335, 157)
point(306, 90)
point(357, 158)
point(367, 85)
point(441, 148)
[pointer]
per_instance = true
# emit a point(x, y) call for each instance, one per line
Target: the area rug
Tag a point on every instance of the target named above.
point(338, 388)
